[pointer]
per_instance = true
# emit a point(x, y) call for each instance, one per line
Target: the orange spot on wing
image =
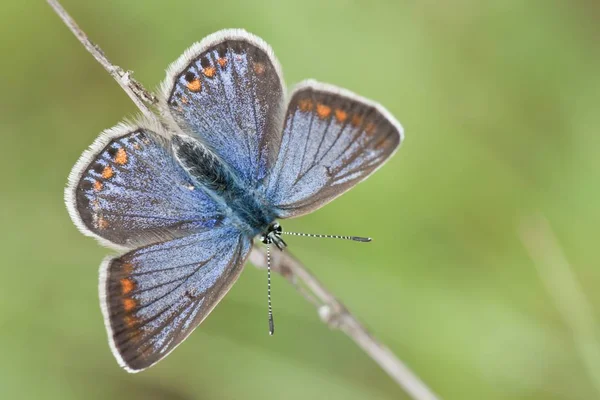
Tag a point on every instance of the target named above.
point(323, 111)
point(222, 62)
point(370, 129)
point(341, 115)
point(108, 172)
point(127, 286)
point(384, 144)
point(195, 85)
point(129, 304)
point(184, 99)
point(127, 268)
point(259, 68)
point(305, 105)
point(356, 120)
point(98, 186)
point(209, 72)
point(101, 223)
point(121, 156)
point(130, 321)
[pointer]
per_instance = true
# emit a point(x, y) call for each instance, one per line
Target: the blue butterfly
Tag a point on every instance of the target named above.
point(185, 203)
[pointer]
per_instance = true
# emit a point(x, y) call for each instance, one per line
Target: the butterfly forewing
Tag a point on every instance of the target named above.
point(228, 92)
point(332, 140)
point(152, 298)
point(128, 190)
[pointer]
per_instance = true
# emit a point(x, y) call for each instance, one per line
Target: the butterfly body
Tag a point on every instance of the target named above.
point(183, 196)
point(244, 206)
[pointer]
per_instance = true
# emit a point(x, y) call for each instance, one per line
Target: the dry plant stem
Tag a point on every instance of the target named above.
point(140, 96)
point(337, 316)
point(332, 311)
point(561, 283)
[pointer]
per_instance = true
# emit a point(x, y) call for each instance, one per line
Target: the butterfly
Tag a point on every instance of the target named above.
point(183, 195)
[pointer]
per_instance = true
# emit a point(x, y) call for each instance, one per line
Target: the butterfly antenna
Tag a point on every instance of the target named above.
point(355, 238)
point(271, 324)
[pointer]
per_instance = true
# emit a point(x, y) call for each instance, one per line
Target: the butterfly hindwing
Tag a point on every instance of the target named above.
point(228, 91)
point(128, 190)
point(153, 297)
point(332, 140)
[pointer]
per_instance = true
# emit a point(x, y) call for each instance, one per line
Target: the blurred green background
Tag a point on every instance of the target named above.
point(499, 101)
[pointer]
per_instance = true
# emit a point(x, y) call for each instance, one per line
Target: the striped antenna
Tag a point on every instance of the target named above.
point(271, 324)
point(313, 235)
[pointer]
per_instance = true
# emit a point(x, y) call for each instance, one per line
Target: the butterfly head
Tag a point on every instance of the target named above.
point(273, 235)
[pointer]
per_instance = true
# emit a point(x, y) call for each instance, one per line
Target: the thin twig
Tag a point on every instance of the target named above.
point(331, 310)
point(561, 283)
point(337, 316)
point(140, 96)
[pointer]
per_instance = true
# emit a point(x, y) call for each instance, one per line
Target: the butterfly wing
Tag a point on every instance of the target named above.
point(228, 92)
point(153, 297)
point(127, 190)
point(332, 140)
